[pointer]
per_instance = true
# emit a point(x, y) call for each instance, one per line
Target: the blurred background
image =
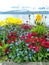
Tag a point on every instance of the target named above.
point(25, 9)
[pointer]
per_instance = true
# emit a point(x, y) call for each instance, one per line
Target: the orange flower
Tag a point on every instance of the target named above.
point(38, 18)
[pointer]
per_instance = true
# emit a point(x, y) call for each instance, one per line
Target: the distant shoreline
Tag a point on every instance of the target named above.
point(25, 12)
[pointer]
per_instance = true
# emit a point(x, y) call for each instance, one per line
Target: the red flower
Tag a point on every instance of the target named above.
point(48, 34)
point(14, 34)
point(14, 40)
point(45, 44)
point(9, 36)
point(27, 40)
point(40, 40)
point(43, 37)
point(29, 35)
point(30, 46)
point(13, 37)
point(26, 26)
point(34, 33)
point(11, 33)
point(21, 37)
point(37, 48)
point(0, 44)
point(37, 39)
point(6, 50)
point(42, 44)
point(9, 41)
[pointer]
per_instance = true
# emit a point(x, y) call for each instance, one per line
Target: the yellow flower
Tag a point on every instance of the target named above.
point(2, 23)
point(19, 21)
point(12, 20)
point(38, 18)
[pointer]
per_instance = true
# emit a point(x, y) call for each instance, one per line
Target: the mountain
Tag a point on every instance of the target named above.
point(17, 12)
point(24, 12)
point(40, 12)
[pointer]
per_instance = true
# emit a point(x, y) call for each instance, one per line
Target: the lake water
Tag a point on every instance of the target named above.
point(25, 17)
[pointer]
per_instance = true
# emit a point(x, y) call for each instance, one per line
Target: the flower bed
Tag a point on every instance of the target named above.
point(23, 42)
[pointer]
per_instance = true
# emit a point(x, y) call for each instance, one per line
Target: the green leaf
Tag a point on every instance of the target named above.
point(5, 46)
point(0, 47)
point(1, 60)
point(40, 29)
point(34, 59)
point(17, 59)
point(5, 57)
point(10, 54)
point(26, 59)
point(40, 56)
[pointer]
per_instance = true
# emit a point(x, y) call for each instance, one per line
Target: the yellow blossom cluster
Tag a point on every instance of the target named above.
point(11, 20)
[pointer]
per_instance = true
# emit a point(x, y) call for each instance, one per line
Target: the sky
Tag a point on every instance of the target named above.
point(6, 5)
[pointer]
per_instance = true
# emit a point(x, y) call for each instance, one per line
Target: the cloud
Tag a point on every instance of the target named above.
point(6, 5)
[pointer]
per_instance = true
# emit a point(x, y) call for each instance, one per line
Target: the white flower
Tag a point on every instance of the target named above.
point(12, 57)
point(18, 54)
point(48, 49)
point(17, 49)
point(29, 54)
point(33, 51)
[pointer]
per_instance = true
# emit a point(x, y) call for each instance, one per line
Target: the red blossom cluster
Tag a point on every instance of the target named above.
point(26, 26)
point(11, 37)
point(34, 42)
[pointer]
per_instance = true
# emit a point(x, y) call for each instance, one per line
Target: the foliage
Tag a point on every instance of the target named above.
point(40, 29)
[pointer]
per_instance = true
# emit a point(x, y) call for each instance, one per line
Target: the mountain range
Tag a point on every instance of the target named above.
point(24, 12)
